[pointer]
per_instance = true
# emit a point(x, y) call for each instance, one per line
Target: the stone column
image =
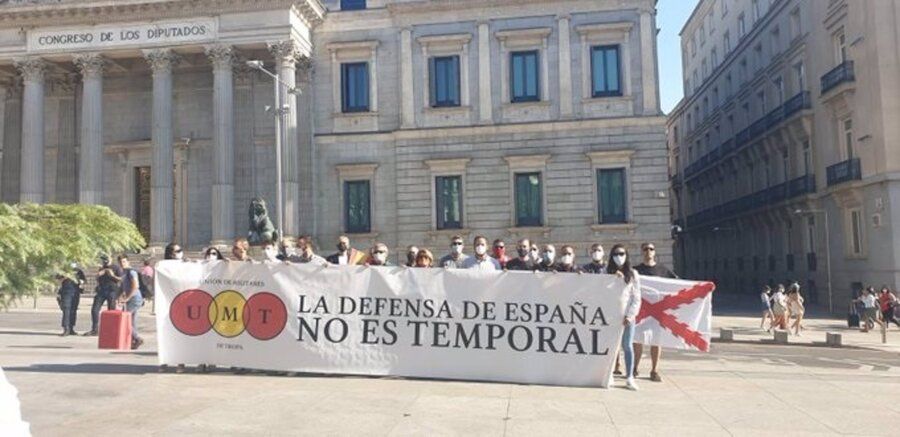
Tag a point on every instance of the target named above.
point(565, 68)
point(32, 170)
point(222, 58)
point(286, 54)
point(162, 208)
point(3, 94)
point(90, 160)
point(649, 87)
point(407, 108)
point(485, 100)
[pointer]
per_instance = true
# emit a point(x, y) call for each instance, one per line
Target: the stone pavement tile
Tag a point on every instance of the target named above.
point(665, 414)
point(756, 410)
point(852, 414)
point(430, 425)
point(557, 428)
point(558, 410)
point(458, 406)
point(778, 431)
point(670, 431)
point(715, 382)
point(577, 394)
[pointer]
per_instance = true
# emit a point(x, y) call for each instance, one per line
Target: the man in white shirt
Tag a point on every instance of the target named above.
point(456, 257)
point(481, 260)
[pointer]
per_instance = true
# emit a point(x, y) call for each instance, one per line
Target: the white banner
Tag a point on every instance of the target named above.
point(104, 36)
point(675, 313)
point(541, 328)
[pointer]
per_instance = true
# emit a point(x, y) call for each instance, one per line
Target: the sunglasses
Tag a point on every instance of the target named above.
point(499, 247)
point(178, 250)
point(619, 253)
point(380, 251)
point(569, 253)
point(456, 243)
point(649, 249)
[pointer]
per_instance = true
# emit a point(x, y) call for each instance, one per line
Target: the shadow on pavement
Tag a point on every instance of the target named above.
point(47, 334)
point(114, 369)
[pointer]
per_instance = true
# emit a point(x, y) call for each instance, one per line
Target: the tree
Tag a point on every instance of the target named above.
point(39, 241)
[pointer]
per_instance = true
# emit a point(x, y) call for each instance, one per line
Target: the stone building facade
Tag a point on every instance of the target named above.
point(781, 155)
point(411, 121)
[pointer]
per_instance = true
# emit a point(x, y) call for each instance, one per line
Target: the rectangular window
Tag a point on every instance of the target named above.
point(856, 232)
point(612, 195)
point(357, 207)
point(778, 84)
point(847, 137)
point(524, 75)
point(757, 13)
point(355, 87)
point(726, 42)
point(800, 76)
point(702, 35)
point(444, 73)
point(529, 199)
point(742, 26)
point(353, 5)
point(840, 47)
point(810, 235)
point(807, 158)
point(605, 73)
point(795, 23)
point(448, 193)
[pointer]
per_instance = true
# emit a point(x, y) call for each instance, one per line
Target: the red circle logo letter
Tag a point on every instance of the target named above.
point(189, 312)
point(264, 316)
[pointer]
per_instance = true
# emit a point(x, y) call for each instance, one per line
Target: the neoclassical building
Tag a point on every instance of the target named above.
point(403, 121)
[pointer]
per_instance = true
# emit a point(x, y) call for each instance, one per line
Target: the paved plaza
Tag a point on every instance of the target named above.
point(747, 387)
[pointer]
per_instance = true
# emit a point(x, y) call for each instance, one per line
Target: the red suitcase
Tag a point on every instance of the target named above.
point(115, 330)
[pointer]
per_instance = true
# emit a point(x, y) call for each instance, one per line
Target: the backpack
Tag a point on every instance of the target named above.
point(146, 293)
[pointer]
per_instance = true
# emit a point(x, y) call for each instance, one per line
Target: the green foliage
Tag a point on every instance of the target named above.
point(39, 241)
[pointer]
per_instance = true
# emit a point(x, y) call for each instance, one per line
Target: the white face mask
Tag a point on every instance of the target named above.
point(179, 255)
point(380, 257)
point(211, 257)
point(597, 255)
point(567, 259)
point(271, 254)
point(480, 249)
point(535, 255)
point(619, 260)
point(456, 249)
point(549, 256)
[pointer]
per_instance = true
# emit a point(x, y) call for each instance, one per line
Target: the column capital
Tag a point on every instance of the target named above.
point(32, 69)
point(89, 64)
point(161, 60)
point(221, 56)
point(285, 51)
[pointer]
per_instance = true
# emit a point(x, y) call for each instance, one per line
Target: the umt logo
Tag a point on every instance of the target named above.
point(229, 314)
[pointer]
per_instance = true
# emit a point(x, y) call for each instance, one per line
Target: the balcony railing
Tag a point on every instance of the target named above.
point(838, 75)
point(845, 171)
point(797, 103)
point(802, 185)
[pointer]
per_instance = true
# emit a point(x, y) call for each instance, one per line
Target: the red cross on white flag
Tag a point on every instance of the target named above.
point(675, 313)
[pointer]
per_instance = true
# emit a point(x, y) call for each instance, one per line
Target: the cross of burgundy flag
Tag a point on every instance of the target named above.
point(675, 313)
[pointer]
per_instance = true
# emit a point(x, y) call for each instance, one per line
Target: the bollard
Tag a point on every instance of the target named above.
point(781, 337)
point(833, 339)
point(726, 334)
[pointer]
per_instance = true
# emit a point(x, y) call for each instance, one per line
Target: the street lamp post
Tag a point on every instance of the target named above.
point(279, 112)
point(827, 252)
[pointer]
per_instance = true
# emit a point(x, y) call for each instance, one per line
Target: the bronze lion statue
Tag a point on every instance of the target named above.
point(261, 228)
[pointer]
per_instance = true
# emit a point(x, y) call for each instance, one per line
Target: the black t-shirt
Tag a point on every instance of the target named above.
point(594, 268)
point(106, 282)
point(657, 270)
point(518, 264)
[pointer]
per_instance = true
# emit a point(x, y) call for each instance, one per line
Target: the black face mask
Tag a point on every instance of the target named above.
point(411, 257)
point(522, 252)
point(342, 247)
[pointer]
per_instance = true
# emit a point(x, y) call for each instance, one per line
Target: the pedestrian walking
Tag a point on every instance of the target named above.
point(870, 310)
point(796, 308)
point(779, 308)
point(621, 267)
point(765, 298)
point(650, 267)
point(131, 298)
point(888, 303)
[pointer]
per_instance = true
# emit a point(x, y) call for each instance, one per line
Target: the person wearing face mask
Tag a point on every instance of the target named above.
point(213, 254)
point(596, 265)
point(547, 261)
point(481, 260)
point(499, 252)
point(378, 255)
point(649, 267)
point(566, 262)
point(411, 253)
point(305, 253)
point(346, 255)
point(535, 254)
point(523, 261)
point(619, 266)
point(270, 253)
point(173, 251)
point(456, 257)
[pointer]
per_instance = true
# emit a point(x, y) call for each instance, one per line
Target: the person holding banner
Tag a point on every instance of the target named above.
point(411, 253)
point(567, 261)
point(306, 255)
point(596, 265)
point(547, 261)
point(649, 267)
point(524, 261)
point(378, 255)
point(346, 255)
point(239, 250)
point(621, 267)
point(456, 257)
point(500, 253)
point(481, 260)
point(424, 259)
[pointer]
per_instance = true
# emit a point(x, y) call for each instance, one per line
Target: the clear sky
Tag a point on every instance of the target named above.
point(670, 18)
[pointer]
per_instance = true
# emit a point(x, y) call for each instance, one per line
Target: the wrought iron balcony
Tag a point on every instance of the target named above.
point(838, 75)
point(797, 103)
point(777, 193)
point(845, 171)
point(802, 185)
